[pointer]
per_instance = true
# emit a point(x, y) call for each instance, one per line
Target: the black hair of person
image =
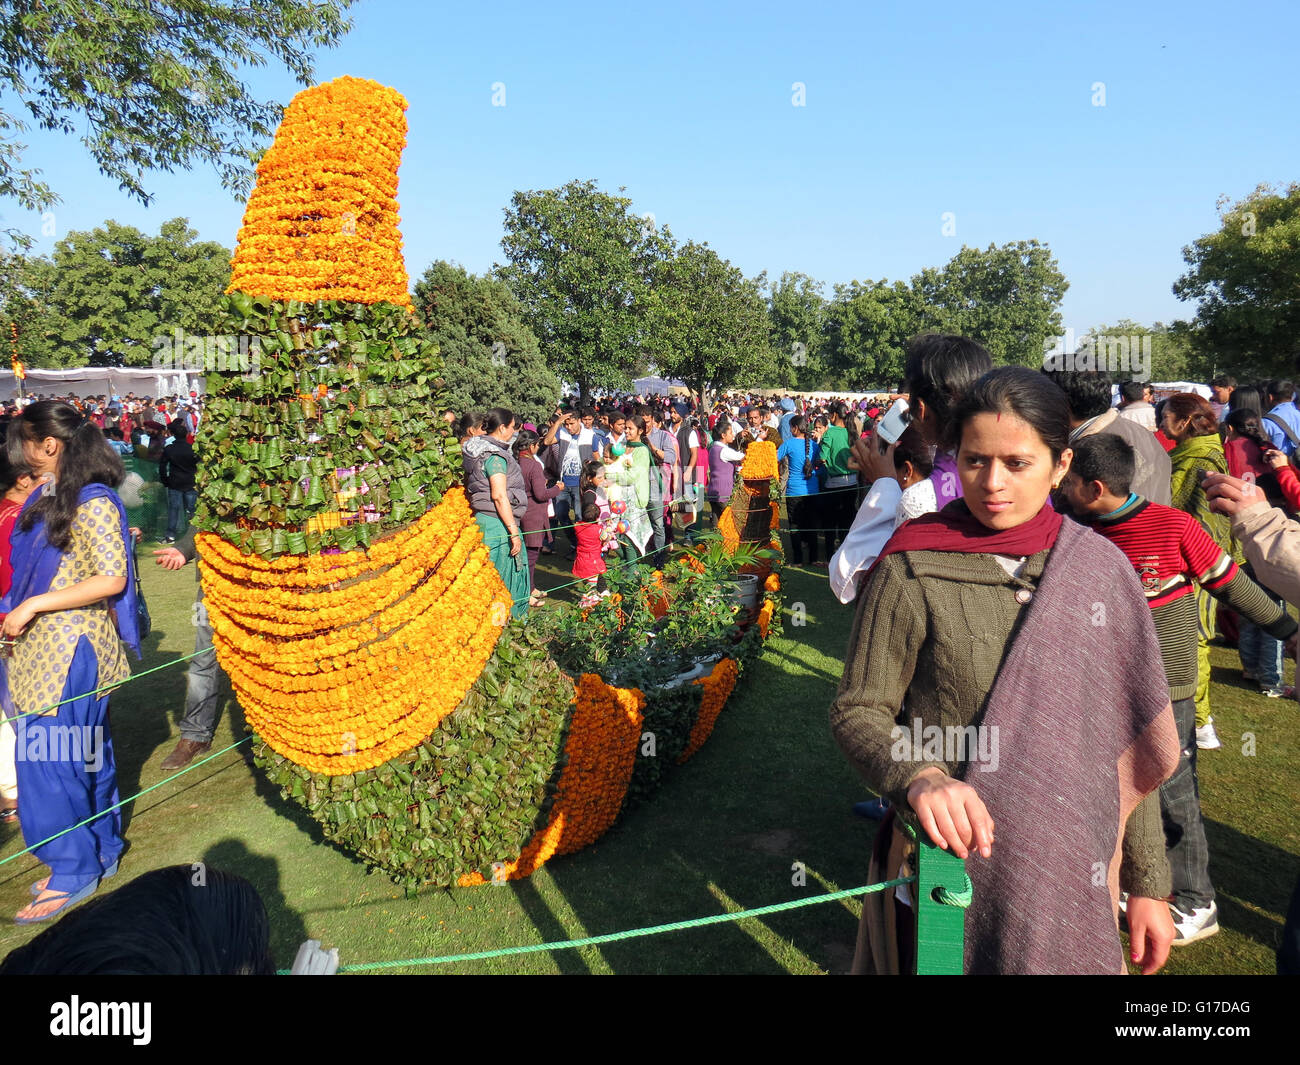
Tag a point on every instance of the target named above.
point(86, 459)
point(1133, 391)
point(940, 368)
point(1107, 458)
point(1028, 395)
point(497, 417)
point(184, 920)
point(1086, 391)
point(1247, 423)
point(469, 420)
point(524, 438)
point(1247, 397)
point(912, 448)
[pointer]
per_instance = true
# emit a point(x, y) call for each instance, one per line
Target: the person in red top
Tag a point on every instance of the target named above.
point(1171, 553)
point(16, 482)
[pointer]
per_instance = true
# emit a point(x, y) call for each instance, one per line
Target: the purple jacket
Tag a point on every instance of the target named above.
point(535, 519)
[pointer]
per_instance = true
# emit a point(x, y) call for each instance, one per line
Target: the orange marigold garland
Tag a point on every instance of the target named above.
point(760, 461)
point(330, 687)
point(717, 689)
point(601, 751)
point(322, 221)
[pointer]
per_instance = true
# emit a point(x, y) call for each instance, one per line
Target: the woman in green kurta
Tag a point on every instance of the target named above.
point(631, 473)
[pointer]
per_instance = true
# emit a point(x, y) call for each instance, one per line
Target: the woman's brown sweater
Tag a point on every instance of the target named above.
point(931, 630)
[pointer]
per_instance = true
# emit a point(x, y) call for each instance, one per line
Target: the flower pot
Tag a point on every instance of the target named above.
point(696, 671)
point(746, 591)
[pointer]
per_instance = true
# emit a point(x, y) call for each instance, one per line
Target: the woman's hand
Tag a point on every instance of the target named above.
point(1275, 458)
point(952, 815)
point(19, 618)
point(516, 543)
point(1150, 932)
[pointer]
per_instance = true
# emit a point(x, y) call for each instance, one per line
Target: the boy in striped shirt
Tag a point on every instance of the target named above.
point(1171, 553)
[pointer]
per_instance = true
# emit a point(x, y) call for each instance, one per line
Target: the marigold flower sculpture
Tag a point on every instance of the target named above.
point(352, 602)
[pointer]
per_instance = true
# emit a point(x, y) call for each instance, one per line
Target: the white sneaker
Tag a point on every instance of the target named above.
point(1206, 738)
point(1199, 924)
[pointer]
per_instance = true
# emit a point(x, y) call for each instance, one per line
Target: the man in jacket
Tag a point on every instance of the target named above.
point(1088, 392)
point(1272, 544)
point(566, 448)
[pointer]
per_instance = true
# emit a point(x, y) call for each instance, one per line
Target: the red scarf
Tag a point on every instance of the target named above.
point(955, 529)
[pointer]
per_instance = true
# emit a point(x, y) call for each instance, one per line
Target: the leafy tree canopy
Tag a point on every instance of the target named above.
point(492, 358)
point(149, 86)
point(1246, 281)
point(710, 323)
point(580, 263)
point(115, 296)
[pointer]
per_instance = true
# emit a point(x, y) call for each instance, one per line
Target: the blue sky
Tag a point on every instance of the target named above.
point(984, 111)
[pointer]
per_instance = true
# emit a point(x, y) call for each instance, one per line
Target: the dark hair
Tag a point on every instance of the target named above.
point(160, 923)
point(1086, 391)
point(525, 438)
point(86, 459)
point(719, 430)
point(590, 512)
point(587, 412)
point(1107, 458)
point(1281, 390)
point(941, 368)
point(911, 447)
point(469, 420)
point(1027, 394)
point(1133, 391)
point(838, 409)
point(1247, 424)
point(12, 466)
point(796, 425)
point(497, 417)
point(637, 420)
point(1200, 415)
point(1247, 397)
point(1223, 380)
point(178, 429)
point(590, 470)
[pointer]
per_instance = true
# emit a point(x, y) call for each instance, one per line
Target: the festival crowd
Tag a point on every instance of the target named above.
point(998, 534)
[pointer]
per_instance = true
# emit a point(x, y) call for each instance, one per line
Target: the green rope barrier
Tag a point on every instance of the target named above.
point(960, 897)
point(115, 806)
point(632, 933)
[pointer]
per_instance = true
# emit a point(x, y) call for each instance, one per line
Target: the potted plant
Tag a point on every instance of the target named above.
point(727, 561)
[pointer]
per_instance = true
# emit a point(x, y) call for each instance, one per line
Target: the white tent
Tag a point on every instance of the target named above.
point(655, 386)
point(107, 381)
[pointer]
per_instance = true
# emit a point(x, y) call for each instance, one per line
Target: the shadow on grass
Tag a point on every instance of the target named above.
point(1250, 875)
point(288, 931)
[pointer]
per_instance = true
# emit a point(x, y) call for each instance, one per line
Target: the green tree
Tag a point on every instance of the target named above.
point(149, 86)
point(1156, 353)
point(868, 326)
point(492, 358)
point(797, 310)
point(114, 295)
point(1246, 281)
point(710, 324)
point(579, 261)
point(1007, 297)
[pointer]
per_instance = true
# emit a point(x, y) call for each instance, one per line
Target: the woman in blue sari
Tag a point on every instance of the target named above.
point(70, 608)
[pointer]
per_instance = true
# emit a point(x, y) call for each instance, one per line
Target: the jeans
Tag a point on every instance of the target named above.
point(569, 499)
point(180, 502)
point(1261, 654)
point(1180, 809)
point(658, 535)
point(201, 678)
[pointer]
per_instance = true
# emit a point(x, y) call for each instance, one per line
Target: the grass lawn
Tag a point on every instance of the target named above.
point(768, 790)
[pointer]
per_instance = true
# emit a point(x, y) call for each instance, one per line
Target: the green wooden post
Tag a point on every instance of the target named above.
point(940, 925)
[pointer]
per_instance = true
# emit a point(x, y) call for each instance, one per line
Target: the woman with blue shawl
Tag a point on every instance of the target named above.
point(70, 608)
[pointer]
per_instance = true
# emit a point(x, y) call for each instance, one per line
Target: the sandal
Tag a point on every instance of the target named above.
point(109, 870)
point(65, 900)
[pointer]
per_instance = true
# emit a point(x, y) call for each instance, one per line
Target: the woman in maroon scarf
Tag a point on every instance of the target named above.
point(1003, 669)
